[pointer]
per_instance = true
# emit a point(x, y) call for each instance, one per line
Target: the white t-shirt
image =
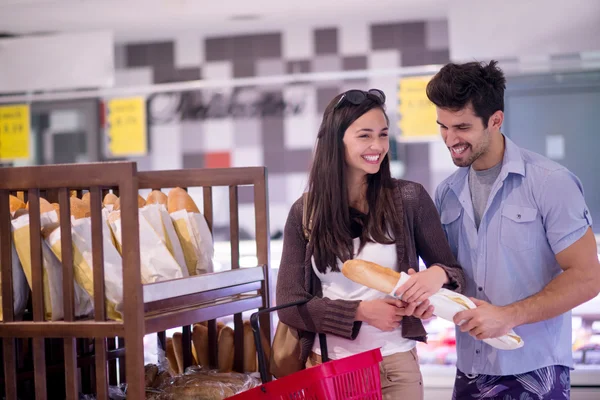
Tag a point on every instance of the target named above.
point(337, 287)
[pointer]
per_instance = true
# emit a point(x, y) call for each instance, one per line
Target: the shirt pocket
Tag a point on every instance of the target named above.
point(518, 227)
point(450, 218)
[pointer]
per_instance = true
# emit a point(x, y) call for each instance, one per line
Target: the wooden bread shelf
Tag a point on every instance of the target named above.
point(146, 308)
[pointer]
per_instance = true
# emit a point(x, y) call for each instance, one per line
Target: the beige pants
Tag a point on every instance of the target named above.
point(400, 375)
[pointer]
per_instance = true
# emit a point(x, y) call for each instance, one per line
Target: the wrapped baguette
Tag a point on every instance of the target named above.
point(109, 201)
point(157, 197)
point(15, 204)
point(446, 303)
point(192, 230)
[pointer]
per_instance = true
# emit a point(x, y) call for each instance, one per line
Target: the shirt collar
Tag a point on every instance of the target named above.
point(512, 163)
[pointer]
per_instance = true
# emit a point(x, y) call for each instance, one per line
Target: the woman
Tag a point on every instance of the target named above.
point(358, 211)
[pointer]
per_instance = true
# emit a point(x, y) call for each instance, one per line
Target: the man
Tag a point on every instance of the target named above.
point(519, 226)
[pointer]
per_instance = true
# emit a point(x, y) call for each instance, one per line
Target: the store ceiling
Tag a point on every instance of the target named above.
point(150, 19)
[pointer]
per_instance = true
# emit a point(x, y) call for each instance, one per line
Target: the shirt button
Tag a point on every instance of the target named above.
point(477, 351)
point(480, 288)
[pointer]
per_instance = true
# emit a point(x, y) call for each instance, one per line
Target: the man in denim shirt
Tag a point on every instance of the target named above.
point(519, 226)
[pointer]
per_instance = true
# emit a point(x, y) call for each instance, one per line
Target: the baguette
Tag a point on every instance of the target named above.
point(226, 349)
point(249, 349)
point(170, 353)
point(44, 206)
point(179, 199)
point(109, 199)
point(200, 344)
point(78, 208)
point(16, 204)
point(178, 349)
point(157, 197)
point(371, 275)
point(20, 212)
point(117, 203)
point(86, 198)
point(446, 303)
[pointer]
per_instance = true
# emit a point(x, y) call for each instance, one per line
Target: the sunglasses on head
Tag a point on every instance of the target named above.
point(356, 97)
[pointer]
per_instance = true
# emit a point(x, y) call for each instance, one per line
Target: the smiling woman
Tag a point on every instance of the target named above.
point(355, 210)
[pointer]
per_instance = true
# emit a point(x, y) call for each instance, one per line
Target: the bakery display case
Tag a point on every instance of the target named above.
point(107, 281)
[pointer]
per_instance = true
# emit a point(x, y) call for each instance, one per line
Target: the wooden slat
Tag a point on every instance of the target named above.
point(60, 329)
point(6, 257)
point(97, 254)
point(201, 297)
point(186, 346)
point(8, 344)
point(234, 239)
point(199, 177)
point(39, 350)
point(57, 176)
point(261, 211)
point(66, 246)
point(10, 368)
point(207, 210)
point(213, 349)
point(200, 283)
point(134, 300)
point(188, 316)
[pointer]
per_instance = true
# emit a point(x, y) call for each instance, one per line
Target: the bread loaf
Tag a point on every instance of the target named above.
point(170, 354)
point(157, 197)
point(178, 349)
point(200, 344)
point(117, 203)
point(179, 199)
point(20, 212)
point(86, 198)
point(109, 199)
point(78, 208)
point(226, 349)
point(15, 204)
point(150, 372)
point(249, 349)
point(371, 275)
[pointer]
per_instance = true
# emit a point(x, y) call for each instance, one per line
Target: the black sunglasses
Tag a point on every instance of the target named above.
point(356, 97)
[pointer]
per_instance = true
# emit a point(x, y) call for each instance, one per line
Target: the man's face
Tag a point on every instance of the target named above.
point(463, 134)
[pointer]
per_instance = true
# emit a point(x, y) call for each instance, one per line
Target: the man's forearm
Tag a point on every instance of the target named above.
point(563, 293)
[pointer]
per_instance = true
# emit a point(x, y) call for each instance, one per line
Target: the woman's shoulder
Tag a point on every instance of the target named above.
point(408, 190)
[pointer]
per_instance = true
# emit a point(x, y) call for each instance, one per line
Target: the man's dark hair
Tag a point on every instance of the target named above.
point(479, 84)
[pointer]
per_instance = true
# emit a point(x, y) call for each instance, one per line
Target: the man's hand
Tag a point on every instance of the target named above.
point(486, 321)
point(422, 285)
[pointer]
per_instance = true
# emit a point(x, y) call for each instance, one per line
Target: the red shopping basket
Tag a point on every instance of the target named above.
point(351, 378)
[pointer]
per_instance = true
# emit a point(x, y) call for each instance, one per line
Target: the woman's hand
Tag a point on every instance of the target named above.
point(383, 314)
point(422, 285)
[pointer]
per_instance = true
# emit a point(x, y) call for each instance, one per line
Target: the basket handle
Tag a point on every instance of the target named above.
point(254, 322)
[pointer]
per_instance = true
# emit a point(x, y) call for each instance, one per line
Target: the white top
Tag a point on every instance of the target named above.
point(336, 286)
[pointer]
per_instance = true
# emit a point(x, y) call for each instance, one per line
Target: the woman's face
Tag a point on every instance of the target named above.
point(366, 143)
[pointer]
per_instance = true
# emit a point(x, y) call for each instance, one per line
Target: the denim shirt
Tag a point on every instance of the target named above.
point(535, 210)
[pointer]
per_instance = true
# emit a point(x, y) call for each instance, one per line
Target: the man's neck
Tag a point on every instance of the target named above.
point(493, 156)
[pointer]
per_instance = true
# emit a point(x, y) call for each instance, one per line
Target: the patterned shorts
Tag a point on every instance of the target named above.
point(549, 383)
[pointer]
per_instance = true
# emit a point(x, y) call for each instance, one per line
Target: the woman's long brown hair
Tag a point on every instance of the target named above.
point(328, 205)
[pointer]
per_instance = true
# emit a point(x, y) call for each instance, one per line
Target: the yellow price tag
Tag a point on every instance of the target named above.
point(417, 114)
point(126, 126)
point(14, 132)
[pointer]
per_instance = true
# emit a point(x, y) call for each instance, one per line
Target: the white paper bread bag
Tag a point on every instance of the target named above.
point(52, 267)
point(20, 286)
point(157, 263)
point(192, 231)
point(83, 264)
point(155, 212)
point(446, 303)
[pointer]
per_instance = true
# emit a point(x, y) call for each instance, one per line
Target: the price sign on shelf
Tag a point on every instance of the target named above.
point(14, 132)
point(417, 117)
point(125, 126)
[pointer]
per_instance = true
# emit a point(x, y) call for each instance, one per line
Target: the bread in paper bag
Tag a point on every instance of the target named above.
point(446, 303)
point(157, 263)
point(20, 287)
point(193, 232)
point(158, 218)
point(113, 265)
point(52, 268)
point(15, 204)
